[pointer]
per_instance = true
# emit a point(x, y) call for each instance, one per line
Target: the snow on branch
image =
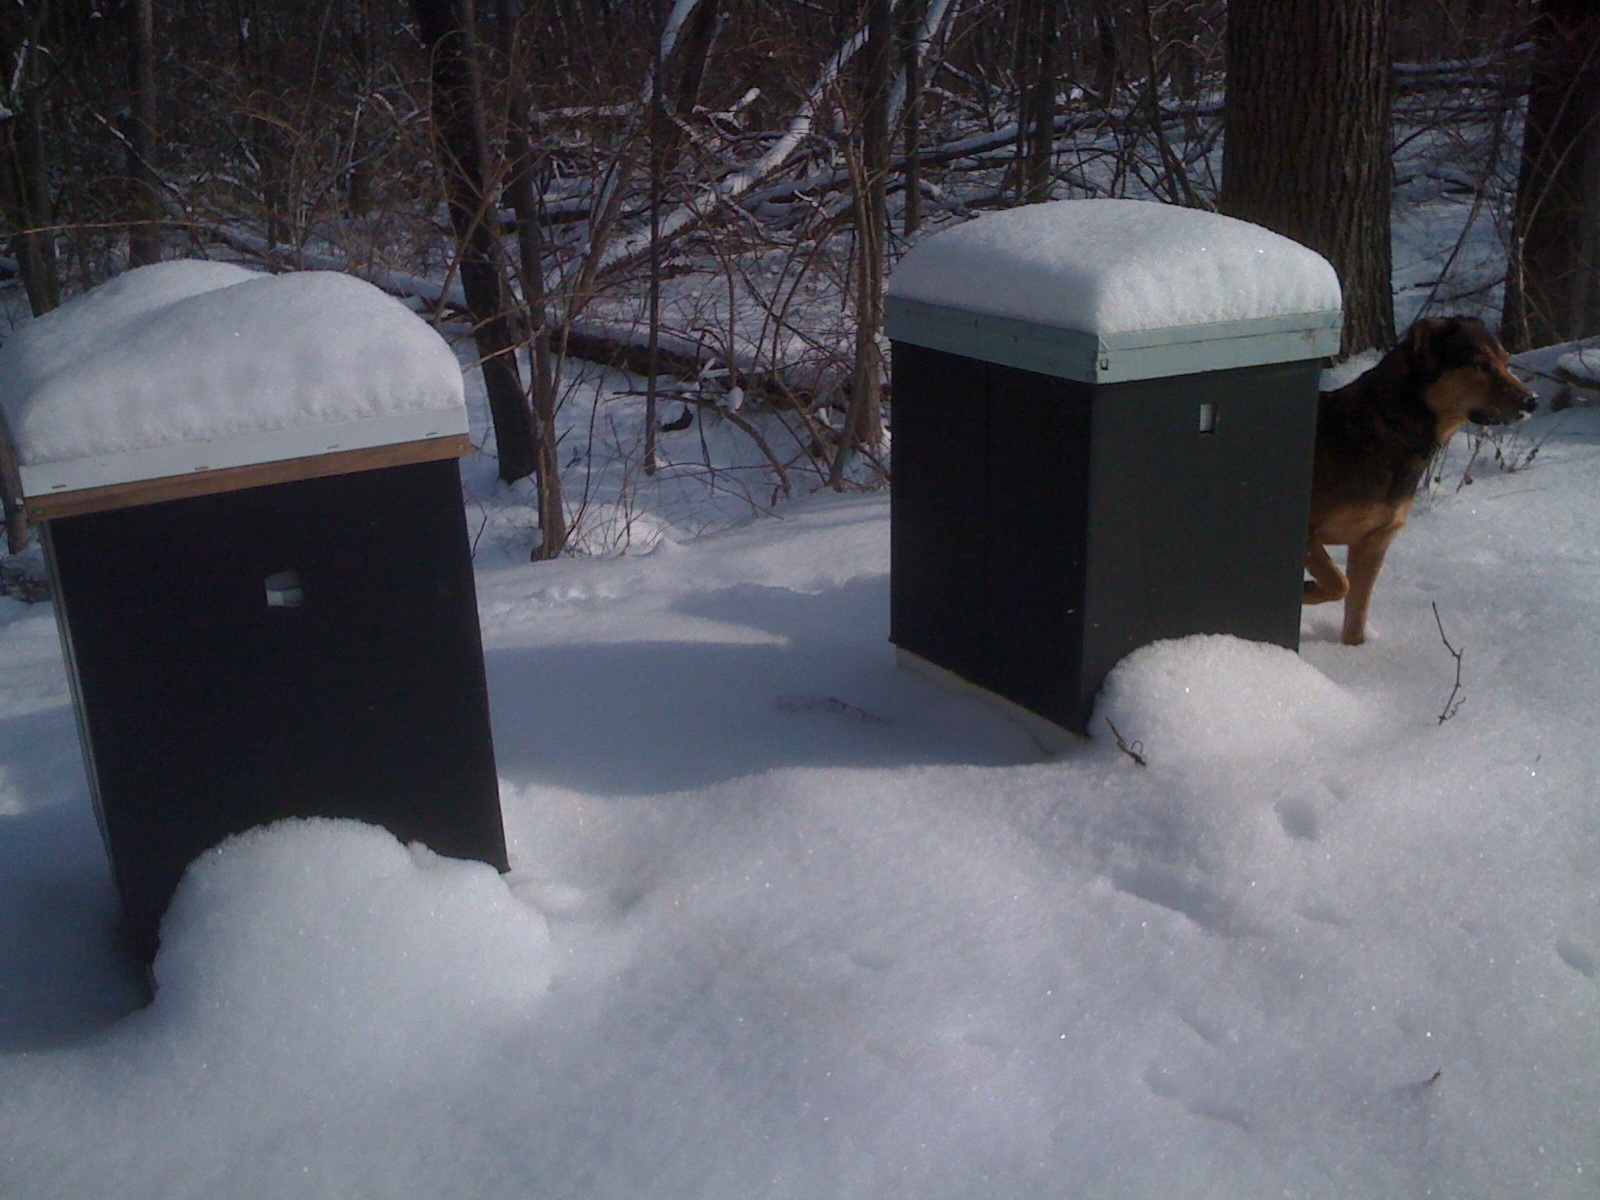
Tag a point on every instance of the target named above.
point(396, 283)
point(630, 249)
point(927, 33)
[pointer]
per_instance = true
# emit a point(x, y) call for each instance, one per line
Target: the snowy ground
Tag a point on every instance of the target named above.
point(787, 921)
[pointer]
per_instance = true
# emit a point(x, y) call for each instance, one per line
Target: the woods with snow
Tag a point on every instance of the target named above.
point(541, 169)
point(784, 919)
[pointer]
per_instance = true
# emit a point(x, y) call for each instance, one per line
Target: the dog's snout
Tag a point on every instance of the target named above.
point(1530, 403)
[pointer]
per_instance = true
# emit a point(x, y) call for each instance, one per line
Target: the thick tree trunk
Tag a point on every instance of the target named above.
point(144, 230)
point(1307, 148)
point(1553, 281)
point(447, 31)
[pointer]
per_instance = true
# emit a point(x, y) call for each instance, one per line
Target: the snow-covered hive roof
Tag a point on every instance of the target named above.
point(1112, 290)
point(188, 368)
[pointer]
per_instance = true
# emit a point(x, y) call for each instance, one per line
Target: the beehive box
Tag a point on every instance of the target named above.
point(1104, 413)
point(248, 492)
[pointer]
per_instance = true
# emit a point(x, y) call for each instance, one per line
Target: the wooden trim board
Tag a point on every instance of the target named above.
point(55, 505)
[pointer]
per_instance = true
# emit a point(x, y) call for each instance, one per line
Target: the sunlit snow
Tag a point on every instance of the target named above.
point(787, 921)
point(1116, 266)
point(194, 351)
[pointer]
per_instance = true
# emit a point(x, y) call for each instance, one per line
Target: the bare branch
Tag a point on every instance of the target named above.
point(1457, 697)
point(1134, 750)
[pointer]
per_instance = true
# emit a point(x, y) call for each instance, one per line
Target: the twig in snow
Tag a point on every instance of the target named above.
point(804, 704)
point(1457, 697)
point(1134, 751)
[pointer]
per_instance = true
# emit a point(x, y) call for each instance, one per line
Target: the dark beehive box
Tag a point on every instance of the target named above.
point(211, 703)
point(277, 623)
point(1062, 497)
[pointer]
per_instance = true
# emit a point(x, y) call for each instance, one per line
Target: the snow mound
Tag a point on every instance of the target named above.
point(1116, 266)
point(1582, 365)
point(322, 941)
point(1217, 696)
point(192, 351)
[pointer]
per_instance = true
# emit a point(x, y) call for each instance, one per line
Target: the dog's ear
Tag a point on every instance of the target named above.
point(1439, 344)
point(1422, 346)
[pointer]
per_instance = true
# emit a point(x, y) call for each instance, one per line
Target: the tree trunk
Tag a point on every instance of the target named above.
point(656, 130)
point(1553, 278)
point(447, 32)
point(24, 196)
point(26, 202)
point(11, 507)
point(1180, 50)
point(1038, 30)
point(144, 230)
point(1107, 68)
point(1307, 147)
point(695, 52)
point(911, 64)
point(553, 529)
point(864, 420)
point(1175, 176)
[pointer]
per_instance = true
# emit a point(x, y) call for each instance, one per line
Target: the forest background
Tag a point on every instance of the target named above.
point(710, 192)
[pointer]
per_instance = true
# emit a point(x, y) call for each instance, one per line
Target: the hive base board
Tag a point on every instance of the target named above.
point(1052, 740)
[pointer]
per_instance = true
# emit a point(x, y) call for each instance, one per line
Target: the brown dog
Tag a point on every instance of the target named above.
point(1375, 437)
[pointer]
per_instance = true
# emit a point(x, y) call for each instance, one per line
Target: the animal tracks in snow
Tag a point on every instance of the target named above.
point(1211, 1108)
point(1167, 889)
point(1299, 818)
point(1583, 961)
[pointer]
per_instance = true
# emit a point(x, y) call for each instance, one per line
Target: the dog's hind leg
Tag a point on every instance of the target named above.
point(1366, 560)
point(1327, 582)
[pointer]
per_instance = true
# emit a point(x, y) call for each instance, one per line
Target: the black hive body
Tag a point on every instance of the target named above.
point(1045, 527)
point(1104, 413)
point(307, 648)
point(248, 493)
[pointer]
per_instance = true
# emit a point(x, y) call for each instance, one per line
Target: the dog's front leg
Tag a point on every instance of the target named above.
point(1327, 582)
point(1366, 560)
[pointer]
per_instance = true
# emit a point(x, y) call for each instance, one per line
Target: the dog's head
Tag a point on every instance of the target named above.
point(1461, 368)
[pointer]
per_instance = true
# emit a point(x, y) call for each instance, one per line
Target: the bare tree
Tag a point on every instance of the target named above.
point(1106, 55)
point(1307, 149)
point(913, 46)
point(553, 531)
point(24, 193)
point(1038, 31)
point(864, 417)
point(448, 29)
point(1553, 277)
point(144, 231)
